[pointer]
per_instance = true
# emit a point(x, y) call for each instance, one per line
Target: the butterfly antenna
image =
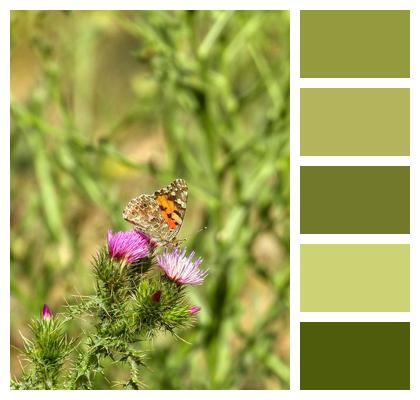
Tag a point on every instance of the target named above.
point(183, 240)
point(200, 230)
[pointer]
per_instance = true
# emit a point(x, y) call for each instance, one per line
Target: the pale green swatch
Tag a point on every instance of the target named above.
point(354, 277)
point(355, 122)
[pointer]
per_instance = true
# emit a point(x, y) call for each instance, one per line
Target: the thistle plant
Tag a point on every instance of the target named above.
point(45, 353)
point(138, 294)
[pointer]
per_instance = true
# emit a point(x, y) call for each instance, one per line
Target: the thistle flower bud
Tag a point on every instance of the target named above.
point(46, 312)
point(194, 310)
point(156, 296)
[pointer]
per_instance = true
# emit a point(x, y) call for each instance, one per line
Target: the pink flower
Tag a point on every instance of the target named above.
point(194, 310)
point(46, 313)
point(180, 269)
point(129, 246)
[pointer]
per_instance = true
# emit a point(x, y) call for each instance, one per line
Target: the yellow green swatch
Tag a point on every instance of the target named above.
point(355, 277)
point(355, 43)
point(355, 122)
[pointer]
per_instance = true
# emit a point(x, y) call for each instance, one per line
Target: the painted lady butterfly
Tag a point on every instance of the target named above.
point(161, 214)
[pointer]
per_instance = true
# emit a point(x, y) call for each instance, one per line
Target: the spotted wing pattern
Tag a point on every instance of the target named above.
point(160, 215)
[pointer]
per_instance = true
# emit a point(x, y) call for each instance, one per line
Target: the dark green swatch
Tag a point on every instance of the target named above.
point(355, 355)
point(355, 44)
point(355, 200)
point(355, 122)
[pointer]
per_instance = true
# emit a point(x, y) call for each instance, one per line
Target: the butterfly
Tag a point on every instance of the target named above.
point(159, 215)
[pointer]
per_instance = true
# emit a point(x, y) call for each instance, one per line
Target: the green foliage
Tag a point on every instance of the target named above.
point(109, 104)
point(45, 354)
point(168, 313)
point(115, 282)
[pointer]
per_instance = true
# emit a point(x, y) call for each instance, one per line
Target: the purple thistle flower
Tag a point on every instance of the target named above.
point(129, 246)
point(46, 312)
point(181, 269)
point(194, 310)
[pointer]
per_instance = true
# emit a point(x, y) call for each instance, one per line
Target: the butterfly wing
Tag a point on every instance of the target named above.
point(144, 213)
point(160, 215)
point(172, 202)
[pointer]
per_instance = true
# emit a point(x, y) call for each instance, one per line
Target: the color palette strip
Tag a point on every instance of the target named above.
point(355, 44)
point(344, 122)
point(355, 122)
point(355, 278)
point(355, 355)
point(355, 200)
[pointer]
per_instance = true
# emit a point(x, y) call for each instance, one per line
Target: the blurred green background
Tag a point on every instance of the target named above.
point(106, 105)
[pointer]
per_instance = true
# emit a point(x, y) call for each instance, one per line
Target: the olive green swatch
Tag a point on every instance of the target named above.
point(355, 199)
point(355, 122)
point(355, 44)
point(355, 355)
point(354, 277)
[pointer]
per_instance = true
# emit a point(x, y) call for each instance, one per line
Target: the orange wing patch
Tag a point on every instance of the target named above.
point(159, 215)
point(169, 210)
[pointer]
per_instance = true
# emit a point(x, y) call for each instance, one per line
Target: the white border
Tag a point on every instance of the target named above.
point(414, 200)
point(296, 83)
point(151, 5)
point(211, 5)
